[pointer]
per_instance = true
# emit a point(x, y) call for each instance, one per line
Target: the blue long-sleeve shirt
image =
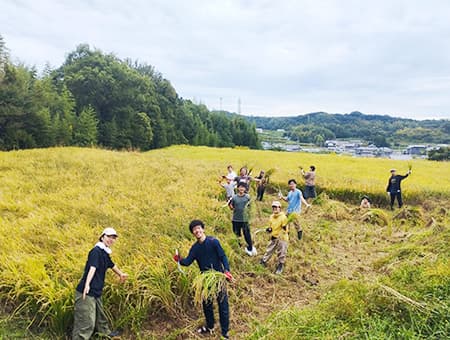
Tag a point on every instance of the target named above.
point(209, 255)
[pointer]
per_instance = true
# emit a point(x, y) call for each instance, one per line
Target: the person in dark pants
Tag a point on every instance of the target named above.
point(89, 314)
point(239, 203)
point(261, 186)
point(310, 183)
point(209, 254)
point(393, 187)
point(244, 177)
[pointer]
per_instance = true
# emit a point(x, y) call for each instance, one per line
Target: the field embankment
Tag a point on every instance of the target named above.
point(355, 274)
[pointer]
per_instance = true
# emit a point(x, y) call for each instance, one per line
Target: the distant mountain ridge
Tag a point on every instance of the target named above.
point(380, 129)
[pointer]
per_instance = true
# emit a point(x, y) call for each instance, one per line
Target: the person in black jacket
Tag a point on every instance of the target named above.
point(393, 188)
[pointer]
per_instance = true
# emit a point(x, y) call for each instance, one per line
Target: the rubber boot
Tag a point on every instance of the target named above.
point(300, 234)
point(279, 268)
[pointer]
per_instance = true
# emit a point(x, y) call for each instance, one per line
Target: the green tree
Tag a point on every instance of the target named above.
point(440, 154)
point(46, 132)
point(15, 107)
point(85, 131)
point(380, 141)
point(319, 140)
point(141, 131)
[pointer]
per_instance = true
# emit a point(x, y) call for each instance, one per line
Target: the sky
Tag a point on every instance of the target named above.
point(258, 57)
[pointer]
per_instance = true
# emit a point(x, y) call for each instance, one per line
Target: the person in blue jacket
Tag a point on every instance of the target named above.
point(393, 188)
point(209, 254)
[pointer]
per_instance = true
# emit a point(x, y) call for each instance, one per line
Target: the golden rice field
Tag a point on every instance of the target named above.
point(55, 202)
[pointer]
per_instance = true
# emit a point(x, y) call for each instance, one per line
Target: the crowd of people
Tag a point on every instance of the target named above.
point(89, 316)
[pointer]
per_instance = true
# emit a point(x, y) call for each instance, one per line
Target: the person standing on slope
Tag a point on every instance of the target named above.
point(89, 314)
point(244, 178)
point(231, 173)
point(295, 200)
point(209, 254)
point(393, 187)
point(263, 180)
point(229, 184)
point(279, 237)
point(310, 186)
point(239, 203)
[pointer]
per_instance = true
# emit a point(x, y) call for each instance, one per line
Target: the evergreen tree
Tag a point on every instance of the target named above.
point(141, 131)
point(85, 131)
point(15, 107)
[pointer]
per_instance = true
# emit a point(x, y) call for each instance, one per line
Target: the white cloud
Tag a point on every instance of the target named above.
point(280, 58)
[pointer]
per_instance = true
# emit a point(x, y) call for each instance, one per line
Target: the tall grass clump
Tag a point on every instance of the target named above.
point(208, 285)
point(376, 217)
point(412, 216)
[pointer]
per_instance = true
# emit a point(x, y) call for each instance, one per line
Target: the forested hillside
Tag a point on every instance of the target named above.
point(381, 130)
point(95, 98)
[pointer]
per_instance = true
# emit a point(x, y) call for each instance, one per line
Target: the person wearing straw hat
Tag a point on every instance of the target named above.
point(393, 187)
point(89, 315)
point(279, 237)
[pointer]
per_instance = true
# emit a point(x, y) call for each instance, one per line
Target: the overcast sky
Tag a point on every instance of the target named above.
point(279, 57)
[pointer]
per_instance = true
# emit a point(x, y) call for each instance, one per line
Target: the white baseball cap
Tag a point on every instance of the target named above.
point(276, 204)
point(109, 232)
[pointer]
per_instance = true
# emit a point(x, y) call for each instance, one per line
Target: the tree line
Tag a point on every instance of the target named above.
point(381, 130)
point(95, 98)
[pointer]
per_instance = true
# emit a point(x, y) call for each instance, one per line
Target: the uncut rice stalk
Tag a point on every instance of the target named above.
point(208, 285)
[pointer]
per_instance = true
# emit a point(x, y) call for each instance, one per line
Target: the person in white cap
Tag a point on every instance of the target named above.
point(89, 315)
point(279, 237)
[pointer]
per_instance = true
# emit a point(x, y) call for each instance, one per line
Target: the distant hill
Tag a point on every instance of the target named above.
point(382, 130)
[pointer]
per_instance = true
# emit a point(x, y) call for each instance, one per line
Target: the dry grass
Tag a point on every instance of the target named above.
point(54, 203)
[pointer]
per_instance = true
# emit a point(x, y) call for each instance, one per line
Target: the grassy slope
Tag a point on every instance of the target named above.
point(54, 202)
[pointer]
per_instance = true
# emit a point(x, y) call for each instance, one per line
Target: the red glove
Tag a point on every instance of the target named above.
point(177, 258)
point(229, 276)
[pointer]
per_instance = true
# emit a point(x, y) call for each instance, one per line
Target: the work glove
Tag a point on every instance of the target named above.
point(228, 276)
point(177, 258)
point(268, 230)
